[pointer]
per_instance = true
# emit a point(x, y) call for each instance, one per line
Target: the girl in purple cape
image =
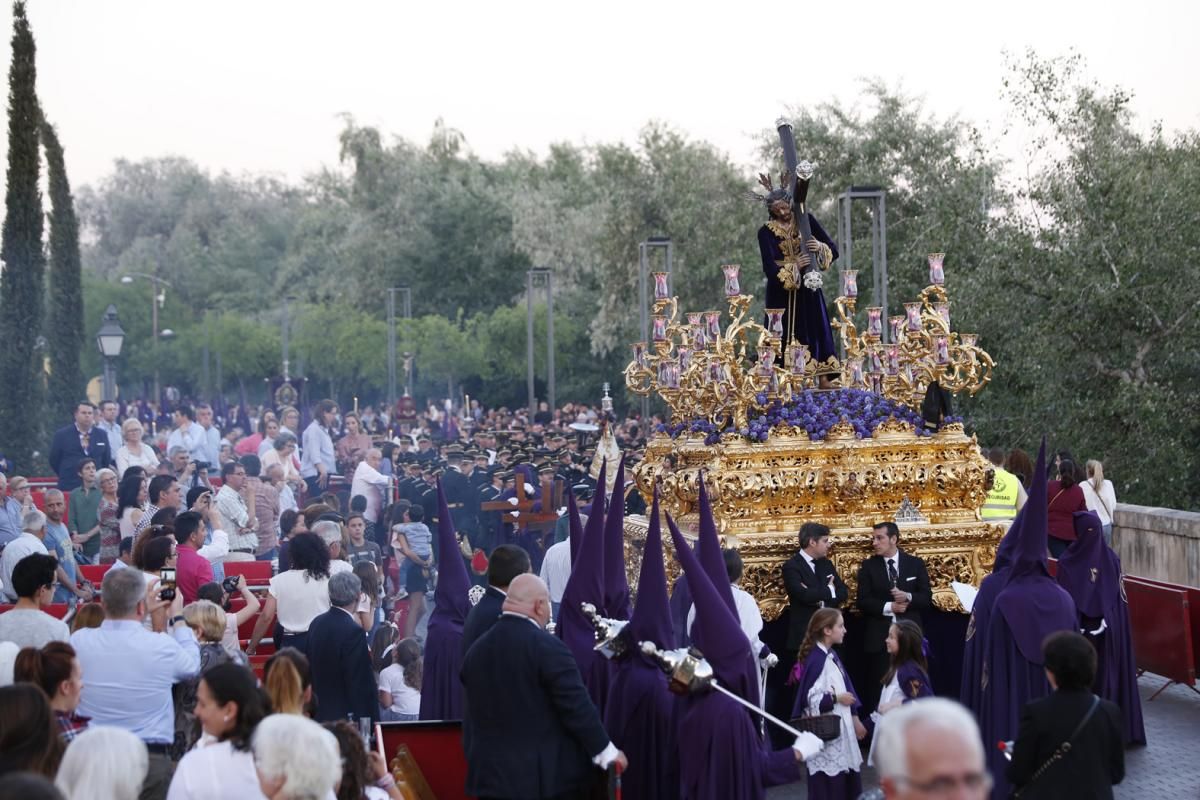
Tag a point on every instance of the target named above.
point(825, 688)
point(907, 678)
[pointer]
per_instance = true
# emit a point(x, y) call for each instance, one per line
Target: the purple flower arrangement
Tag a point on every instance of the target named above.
point(815, 413)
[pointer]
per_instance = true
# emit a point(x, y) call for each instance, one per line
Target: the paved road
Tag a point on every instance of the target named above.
point(1166, 769)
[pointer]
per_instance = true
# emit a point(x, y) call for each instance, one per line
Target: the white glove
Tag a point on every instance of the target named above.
point(512, 501)
point(528, 489)
point(807, 745)
point(771, 660)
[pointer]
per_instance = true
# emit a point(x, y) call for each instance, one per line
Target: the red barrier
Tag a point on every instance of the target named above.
point(437, 749)
point(1193, 595)
point(1162, 634)
point(258, 573)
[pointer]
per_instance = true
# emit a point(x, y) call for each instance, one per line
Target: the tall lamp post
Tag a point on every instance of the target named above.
point(109, 339)
point(157, 300)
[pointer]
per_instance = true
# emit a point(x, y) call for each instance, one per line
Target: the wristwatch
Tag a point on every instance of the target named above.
point(175, 620)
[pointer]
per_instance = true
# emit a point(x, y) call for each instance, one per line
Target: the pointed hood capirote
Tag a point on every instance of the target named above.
point(616, 585)
point(716, 631)
point(651, 618)
point(575, 524)
point(1031, 602)
point(453, 585)
point(708, 549)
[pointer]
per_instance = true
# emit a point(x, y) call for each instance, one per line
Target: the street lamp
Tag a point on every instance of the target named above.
point(157, 300)
point(109, 339)
point(406, 296)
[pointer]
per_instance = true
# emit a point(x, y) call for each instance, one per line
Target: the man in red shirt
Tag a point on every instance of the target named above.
point(192, 570)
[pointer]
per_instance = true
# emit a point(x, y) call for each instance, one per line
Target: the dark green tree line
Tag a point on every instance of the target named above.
point(23, 280)
point(64, 323)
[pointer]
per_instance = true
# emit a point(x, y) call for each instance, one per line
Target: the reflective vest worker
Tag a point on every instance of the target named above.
point(1007, 495)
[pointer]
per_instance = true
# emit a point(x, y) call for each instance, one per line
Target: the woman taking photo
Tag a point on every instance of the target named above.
point(297, 596)
point(229, 707)
point(825, 688)
point(353, 446)
point(56, 670)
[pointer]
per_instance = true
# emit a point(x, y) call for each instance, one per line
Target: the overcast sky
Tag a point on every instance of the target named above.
point(258, 86)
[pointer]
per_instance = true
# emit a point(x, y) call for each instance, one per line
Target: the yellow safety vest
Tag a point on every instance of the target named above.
point(1001, 502)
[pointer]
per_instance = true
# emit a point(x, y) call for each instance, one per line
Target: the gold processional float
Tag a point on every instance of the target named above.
point(775, 451)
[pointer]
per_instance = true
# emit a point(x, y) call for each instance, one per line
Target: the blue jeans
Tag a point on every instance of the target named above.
point(268, 556)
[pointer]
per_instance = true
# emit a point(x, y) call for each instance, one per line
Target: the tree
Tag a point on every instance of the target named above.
point(64, 328)
point(22, 283)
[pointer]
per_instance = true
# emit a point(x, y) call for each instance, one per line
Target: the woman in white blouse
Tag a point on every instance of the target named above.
point(229, 706)
point(298, 596)
point(1100, 497)
point(134, 452)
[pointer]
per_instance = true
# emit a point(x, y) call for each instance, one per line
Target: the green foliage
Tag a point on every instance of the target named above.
point(64, 323)
point(23, 279)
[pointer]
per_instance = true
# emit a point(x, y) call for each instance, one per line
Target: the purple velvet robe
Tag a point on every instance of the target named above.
point(723, 757)
point(1091, 573)
point(441, 689)
point(806, 673)
point(811, 325)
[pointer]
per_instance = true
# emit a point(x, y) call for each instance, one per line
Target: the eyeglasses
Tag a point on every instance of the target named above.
point(946, 785)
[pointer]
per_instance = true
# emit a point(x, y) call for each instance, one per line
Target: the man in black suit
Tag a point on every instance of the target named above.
point(507, 562)
point(530, 729)
point(892, 585)
point(76, 442)
point(811, 582)
point(1096, 761)
point(338, 656)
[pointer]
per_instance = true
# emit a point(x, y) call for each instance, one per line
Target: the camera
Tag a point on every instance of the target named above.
point(230, 584)
point(166, 584)
point(202, 466)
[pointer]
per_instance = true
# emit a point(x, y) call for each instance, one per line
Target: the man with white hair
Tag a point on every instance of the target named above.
point(931, 748)
point(369, 482)
point(295, 757)
point(10, 514)
point(33, 531)
point(342, 677)
point(331, 534)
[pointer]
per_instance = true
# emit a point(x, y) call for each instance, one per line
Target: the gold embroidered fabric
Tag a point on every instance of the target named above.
point(792, 247)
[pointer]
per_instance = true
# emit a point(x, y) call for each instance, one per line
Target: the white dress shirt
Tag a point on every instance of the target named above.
point(317, 449)
point(235, 516)
point(190, 438)
point(370, 483)
point(556, 569)
point(812, 565)
point(214, 771)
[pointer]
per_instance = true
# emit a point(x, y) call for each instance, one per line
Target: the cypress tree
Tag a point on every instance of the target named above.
point(64, 326)
point(22, 283)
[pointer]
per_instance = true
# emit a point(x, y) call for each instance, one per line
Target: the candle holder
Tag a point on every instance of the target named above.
point(712, 321)
point(875, 321)
point(659, 328)
point(896, 328)
point(775, 322)
point(912, 315)
point(662, 290)
point(733, 286)
point(943, 311)
point(937, 275)
point(849, 283)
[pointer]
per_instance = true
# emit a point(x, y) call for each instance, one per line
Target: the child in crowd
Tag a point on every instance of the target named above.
point(400, 683)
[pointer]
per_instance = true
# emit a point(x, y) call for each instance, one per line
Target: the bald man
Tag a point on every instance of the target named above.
point(530, 729)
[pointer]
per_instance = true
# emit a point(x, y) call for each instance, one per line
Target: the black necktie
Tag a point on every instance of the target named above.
point(892, 576)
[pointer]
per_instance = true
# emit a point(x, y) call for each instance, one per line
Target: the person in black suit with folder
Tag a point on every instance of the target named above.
point(811, 582)
point(530, 730)
point(892, 585)
point(1095, 759)
point(339, 658)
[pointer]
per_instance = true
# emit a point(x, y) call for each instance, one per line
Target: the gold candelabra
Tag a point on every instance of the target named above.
point(922, 348)
point(705, 371)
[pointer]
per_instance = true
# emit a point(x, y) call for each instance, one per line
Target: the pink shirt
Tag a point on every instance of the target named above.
point(192, 571)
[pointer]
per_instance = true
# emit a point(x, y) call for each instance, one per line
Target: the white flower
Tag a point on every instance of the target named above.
point(813, 280)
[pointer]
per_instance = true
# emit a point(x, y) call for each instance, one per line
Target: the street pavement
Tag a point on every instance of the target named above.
point(1168, 767)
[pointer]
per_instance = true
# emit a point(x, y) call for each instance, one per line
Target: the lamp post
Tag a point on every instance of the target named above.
point(157, 300)
point(531, 276)
point(109, 339)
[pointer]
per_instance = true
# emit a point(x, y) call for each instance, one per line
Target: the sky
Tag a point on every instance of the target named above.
point(261, 86)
